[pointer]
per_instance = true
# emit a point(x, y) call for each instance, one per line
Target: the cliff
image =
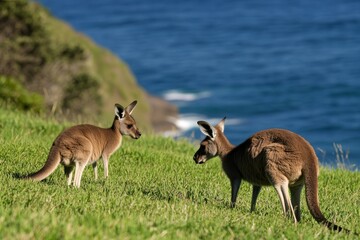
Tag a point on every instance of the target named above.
point(76, 78)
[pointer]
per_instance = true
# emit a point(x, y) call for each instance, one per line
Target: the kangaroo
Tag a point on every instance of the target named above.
point(84, 144)
point(274, 157)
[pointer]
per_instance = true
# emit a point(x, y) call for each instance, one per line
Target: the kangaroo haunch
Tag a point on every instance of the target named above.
point(84, 144)
point(274, 157)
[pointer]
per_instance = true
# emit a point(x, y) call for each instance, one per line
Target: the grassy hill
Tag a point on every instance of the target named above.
point(154, 191)
point(64, 71)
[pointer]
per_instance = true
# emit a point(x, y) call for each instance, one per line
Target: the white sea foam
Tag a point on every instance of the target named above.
point(187, 122)
point(175, 95)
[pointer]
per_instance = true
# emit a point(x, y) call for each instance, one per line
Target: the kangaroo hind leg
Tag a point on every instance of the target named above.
point(82, 157)
point(283, 193)
point(95, 170)
point(295, 200)
point(274, 155)
point(69, 174)
point(79, 169)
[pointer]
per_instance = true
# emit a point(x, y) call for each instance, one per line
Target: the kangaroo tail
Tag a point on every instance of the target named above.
point(50, 165)
point(312, 200)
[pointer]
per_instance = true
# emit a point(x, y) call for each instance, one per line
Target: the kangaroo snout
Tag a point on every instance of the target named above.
point(198, 159)
point(137, 135)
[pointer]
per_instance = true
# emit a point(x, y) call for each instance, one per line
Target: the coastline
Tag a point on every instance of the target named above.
point(162, 116)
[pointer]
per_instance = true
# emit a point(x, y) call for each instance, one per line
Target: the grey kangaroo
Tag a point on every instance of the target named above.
point(81, 145)
point(274, 157)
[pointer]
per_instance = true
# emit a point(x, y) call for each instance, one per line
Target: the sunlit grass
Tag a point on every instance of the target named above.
point(154, 191)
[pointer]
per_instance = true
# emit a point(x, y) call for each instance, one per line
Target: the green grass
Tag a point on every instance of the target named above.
point(154, 191)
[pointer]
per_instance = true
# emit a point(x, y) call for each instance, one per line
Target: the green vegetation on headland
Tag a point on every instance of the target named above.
point(154, 191)
point(45, 66)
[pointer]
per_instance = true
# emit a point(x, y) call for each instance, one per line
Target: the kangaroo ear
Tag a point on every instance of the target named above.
point(119, 111)
point(207, 129)
point(131, 107)
point(221, 124)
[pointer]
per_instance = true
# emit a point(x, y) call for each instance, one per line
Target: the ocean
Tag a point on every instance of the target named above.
point(262, 64)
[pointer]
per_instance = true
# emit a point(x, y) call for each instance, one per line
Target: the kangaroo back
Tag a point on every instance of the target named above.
point(50, 165)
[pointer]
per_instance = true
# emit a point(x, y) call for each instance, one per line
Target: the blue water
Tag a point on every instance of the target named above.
point(263, 64)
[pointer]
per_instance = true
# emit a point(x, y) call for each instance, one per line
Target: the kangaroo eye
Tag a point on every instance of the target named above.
point(129, 126)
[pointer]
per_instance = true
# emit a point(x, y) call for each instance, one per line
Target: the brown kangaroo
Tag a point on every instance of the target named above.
point(81, 145)
point(274, 157)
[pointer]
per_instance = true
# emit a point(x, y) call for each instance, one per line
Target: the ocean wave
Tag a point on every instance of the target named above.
point(175, 95)
point(186, 122)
